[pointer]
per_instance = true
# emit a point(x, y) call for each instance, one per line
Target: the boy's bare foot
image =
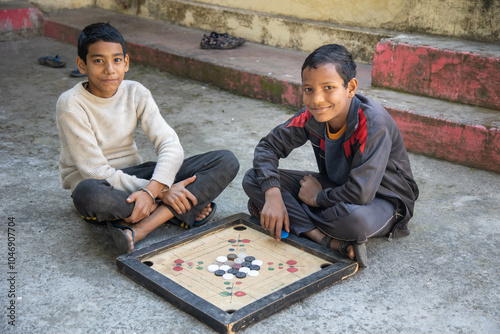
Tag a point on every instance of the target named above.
point(204, 213)
point(138, 234)
point(321, 238)
point(349, 250)
point(130, 238)
point(127, 234)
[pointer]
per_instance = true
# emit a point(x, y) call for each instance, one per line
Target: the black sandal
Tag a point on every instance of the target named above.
point(361, 256)
point(326, 241)
point(359, 250)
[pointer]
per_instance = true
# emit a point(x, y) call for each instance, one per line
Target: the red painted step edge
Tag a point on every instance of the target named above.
point(20, 18)
point(468, 145)
point(456, 76)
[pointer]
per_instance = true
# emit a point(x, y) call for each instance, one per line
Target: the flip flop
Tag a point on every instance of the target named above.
point(77, 73)
point(359, 250)
point(52, 61)
point(181, 223)
point(207, 218)
point(120, 237)
point(361, 256)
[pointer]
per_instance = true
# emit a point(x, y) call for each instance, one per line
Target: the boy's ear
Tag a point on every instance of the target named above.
point(82, 67)
point(352, 86)
point(127, 62)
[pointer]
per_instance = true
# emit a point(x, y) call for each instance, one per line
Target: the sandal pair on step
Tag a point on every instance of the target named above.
point(359, 249)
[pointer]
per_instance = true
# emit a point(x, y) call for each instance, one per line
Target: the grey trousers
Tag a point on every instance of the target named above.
point(100, 201)
point(343, 221)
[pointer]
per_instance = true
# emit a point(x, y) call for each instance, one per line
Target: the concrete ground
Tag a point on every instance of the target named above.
point(441, 279)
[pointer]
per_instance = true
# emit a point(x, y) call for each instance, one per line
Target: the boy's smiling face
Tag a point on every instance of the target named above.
point(105, 68)
point(326, 97)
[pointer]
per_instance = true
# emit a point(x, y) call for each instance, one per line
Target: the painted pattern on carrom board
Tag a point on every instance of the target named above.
point(281, 264)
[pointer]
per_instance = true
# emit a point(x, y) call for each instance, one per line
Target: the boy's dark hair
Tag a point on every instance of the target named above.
point(98, 32)
point(333, 54)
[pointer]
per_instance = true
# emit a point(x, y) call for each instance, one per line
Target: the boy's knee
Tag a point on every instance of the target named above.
point(249, 180)
point(87, 188)
point(85, 191)
point(228, 166)
point(359, 225)
point(230, 160)
point(97, 198)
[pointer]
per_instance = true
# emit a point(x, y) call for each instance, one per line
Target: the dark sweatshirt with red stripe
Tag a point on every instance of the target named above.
point(375, 159)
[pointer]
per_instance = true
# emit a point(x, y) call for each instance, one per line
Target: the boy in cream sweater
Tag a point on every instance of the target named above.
point(99, 159)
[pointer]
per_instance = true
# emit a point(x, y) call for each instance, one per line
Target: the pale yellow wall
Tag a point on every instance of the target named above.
point(467, 19)
point(461, 18)
point(369, 13)
point(54, 5)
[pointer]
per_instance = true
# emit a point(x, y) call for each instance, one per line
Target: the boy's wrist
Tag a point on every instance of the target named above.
point(319, 198)
point(270, 183)
point(155, 187)
point(150, 194)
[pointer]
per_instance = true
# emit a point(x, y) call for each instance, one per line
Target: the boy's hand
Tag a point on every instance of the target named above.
point(178, 197)
point(274, 216)
point(309, 189)
point(143, 206)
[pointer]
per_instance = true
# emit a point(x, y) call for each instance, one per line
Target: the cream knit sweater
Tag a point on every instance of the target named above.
point(97, 137)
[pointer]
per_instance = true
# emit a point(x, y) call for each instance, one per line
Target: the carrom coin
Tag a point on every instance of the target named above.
point(241, 275)
point(257, 262)
point(221, 259)
point(212, 268)
point(224, 267)
point(228, 276)
point(244, 269)
point(253, 273)
point(254, 267)
point(219, 272)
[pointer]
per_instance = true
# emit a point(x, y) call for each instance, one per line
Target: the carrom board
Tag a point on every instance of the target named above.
point(286, 271)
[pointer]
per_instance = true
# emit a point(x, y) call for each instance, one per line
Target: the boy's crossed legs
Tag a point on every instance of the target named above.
point(336, 224)
point(98, 200)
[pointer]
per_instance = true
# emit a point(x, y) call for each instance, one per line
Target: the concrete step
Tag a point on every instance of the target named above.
point(18, 19)
point(274, 30)
point(450, 131)
point(455, 70)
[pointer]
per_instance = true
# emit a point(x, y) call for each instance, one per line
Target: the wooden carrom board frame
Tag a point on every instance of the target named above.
point(136, 266)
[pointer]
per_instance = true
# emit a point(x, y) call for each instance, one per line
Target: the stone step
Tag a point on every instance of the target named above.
point(455, 132)
point(454, 70)
point(18, 19)
point(274, 30)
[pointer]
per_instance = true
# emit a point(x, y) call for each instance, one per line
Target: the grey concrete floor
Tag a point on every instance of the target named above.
point(444, 278)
